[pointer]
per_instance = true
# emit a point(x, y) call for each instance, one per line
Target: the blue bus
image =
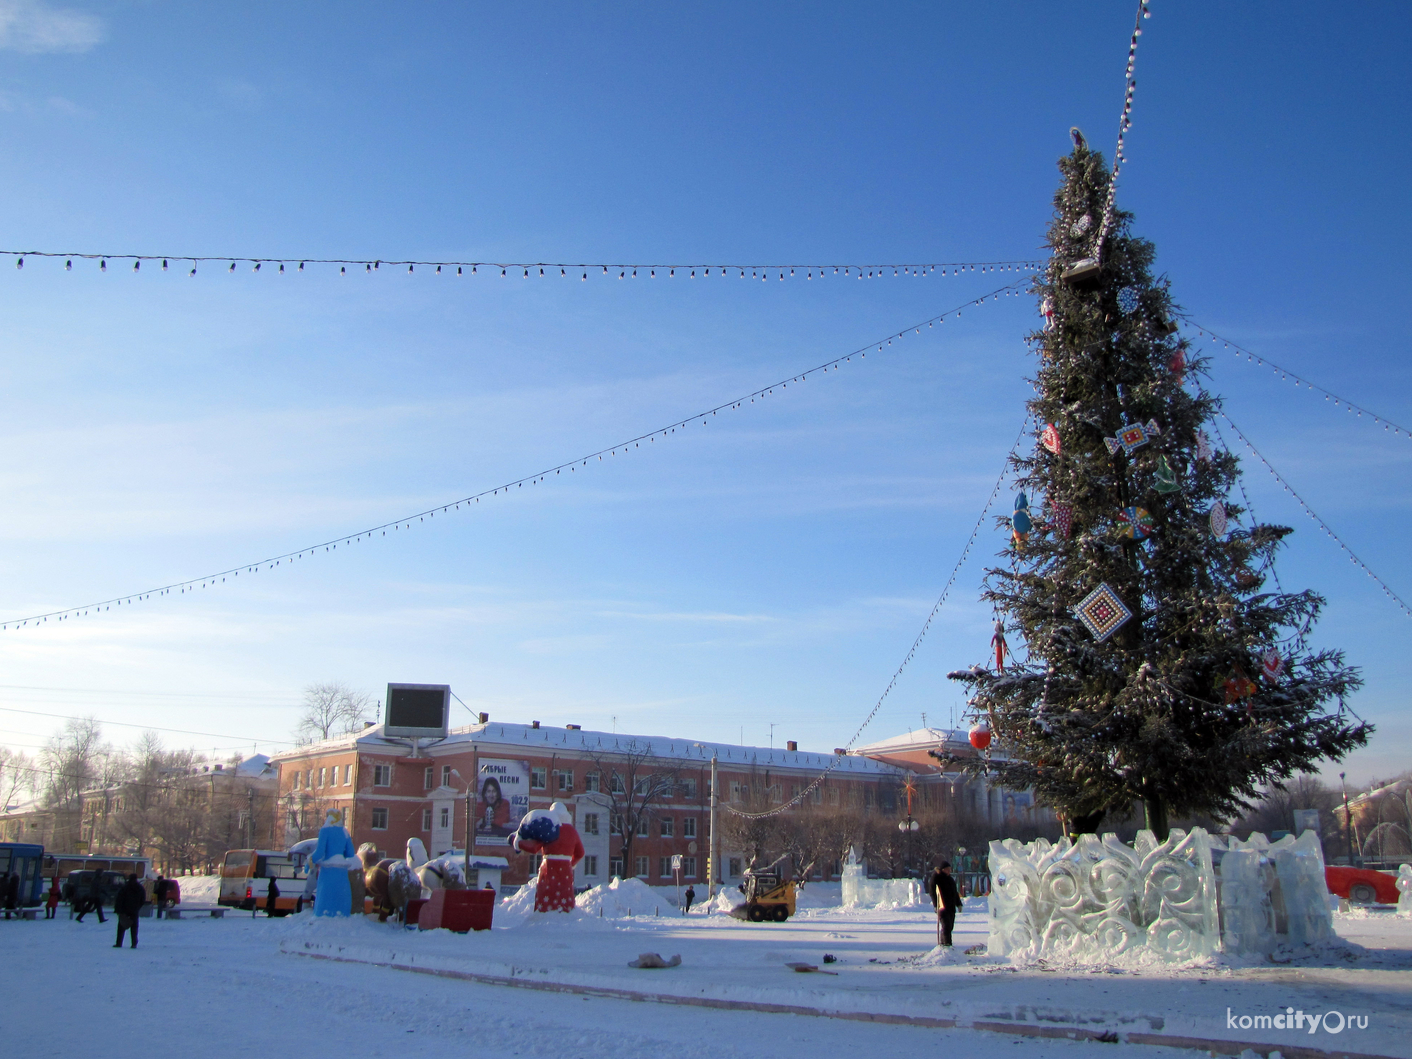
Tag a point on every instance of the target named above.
point(24, 860)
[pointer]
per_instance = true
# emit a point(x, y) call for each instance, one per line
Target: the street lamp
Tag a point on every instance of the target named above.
point(1347, 818)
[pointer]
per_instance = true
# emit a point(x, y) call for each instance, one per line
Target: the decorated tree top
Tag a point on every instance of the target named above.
point(1161, 667)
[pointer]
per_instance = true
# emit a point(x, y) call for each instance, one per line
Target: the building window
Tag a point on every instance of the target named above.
point(323, 775)
point(426, 819)
point(428, 778)
point(833, 796)
point(736, 791)
point(664, 867)
point(591, 783)
point(297, 777)
point(777, 793)
point(688, 789)
point(590, 826)
point(668, 827)
point(379, 819)
point(734, 867)
point(688, 867)
point(348, 775)
point(537, 778)
point(382, 777)
point(641, 785)
point(535, 861)
point(564, 780)
point(616, 823)
point(642, 828)
point(446, 775)
point(445, 816)
point(816, 796)
point(688, 827)
point(309, 780)
point(642, 867)
point(590, 865)
point(615, 867)
point(868, 797)
point(615, 784)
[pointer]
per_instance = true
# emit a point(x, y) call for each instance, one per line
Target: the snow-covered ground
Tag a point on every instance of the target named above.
point(205, 983)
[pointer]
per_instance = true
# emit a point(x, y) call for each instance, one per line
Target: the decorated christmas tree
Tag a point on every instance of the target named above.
point(1162, 662)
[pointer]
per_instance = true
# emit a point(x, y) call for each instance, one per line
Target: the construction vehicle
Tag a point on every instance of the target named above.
point(767, 897)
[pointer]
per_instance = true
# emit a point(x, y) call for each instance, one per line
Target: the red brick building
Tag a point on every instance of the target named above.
point(657, 788)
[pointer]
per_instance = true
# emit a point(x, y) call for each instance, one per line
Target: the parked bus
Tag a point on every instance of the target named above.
point(246, 875)
point(23, 860)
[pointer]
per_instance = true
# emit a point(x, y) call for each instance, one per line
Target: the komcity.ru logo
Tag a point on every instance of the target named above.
point(1290, 1019)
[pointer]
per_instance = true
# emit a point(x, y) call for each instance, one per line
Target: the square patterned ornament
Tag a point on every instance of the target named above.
point(1133, 436)
point(1102, 612)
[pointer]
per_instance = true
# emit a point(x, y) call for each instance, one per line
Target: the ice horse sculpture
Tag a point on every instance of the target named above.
point(1183, 899)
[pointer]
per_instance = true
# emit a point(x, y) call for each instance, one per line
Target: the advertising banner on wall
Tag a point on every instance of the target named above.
point(502, 797)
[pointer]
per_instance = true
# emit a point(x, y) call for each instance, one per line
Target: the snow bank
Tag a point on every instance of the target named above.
point(724, 901)
point(199, 889)
point(623, 898)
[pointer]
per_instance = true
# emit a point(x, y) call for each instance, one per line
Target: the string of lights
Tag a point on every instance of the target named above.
point(1353, 558)
point(526, 269)
point(911, 651)
point(1289, 376)
point(572, 466)
point(1125, 122)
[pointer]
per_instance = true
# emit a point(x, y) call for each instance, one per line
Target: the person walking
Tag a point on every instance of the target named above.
point(271, 898)
point(946, 899)
point(159, 894)
point(90, 898)
point(690, 897)
point(127, 905)
point(51, 901)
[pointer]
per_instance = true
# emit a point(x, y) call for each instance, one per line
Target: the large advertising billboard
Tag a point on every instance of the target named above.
point(421, 711)
point(502, 797)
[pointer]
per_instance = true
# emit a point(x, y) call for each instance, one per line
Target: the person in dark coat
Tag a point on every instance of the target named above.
point(271, 898)
point(11, 893)
point(690, 897)
point(159, 893)
point(51, 902)
point(127, 905)
point(90, 898)
point(946, 899)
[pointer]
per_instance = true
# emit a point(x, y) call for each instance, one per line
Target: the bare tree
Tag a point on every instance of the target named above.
point(633, 782)
point(331, 709)
point(17, 774)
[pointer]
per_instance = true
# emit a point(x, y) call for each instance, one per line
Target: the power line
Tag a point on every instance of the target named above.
point(242, 740)
point(537, 269)
point(1284, 373)
point(1320, 522)
point(455, 505)
point(120, 691)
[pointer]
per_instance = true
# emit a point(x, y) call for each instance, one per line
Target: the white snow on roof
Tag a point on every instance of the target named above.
point(916, 740)
point(551, 738)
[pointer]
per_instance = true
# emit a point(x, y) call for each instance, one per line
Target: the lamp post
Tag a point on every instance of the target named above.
point(1347, 818)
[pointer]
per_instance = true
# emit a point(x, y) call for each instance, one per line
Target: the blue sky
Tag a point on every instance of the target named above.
point(769, 568)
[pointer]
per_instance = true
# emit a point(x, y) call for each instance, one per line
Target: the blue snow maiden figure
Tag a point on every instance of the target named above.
point(333, 896)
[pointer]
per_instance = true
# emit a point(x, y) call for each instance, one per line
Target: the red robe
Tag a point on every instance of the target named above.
point(554, 891)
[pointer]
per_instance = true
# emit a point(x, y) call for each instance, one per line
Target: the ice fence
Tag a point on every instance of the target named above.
point(1183, 899)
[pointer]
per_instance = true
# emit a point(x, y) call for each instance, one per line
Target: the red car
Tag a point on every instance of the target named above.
point(1362, 886)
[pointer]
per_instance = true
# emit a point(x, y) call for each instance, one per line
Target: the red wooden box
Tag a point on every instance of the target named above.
point(414, 909)
point(458, 910)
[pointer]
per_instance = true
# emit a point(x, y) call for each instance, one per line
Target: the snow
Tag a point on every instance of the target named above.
point(622, 898)
point(197, 984)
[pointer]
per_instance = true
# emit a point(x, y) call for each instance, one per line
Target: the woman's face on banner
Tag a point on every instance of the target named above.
point(491, 791)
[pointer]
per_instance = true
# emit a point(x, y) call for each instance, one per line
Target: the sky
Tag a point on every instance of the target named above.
point(758, 578)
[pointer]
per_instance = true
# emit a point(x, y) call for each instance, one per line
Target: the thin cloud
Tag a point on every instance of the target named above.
point(33, 27)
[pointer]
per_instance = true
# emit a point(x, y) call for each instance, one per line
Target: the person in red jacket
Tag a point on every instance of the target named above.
point(51, 902)
point(551, 833)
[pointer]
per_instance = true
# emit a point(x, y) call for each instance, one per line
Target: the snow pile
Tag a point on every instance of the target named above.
point(515, 908)
point(724, 901)
point(939, 956)
point(199, 889)
point(621, 899)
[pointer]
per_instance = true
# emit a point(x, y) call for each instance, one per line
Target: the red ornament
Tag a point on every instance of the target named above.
point(1238, 686)
point(1178, 365)
point(1001, 647)
point(1049, 438)
point(980, 735)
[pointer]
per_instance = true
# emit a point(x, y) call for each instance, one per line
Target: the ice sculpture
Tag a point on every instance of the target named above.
point(1404, 885)
point(861, 892)
point(1182, 899)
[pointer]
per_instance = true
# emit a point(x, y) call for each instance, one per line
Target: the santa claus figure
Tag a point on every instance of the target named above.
point(550, 832)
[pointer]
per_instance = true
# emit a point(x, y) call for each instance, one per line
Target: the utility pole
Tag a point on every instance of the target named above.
point(713, 855)
point(249, 817)
point(1347, 818)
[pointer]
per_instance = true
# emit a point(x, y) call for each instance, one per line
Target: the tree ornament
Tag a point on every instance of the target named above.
point(1218, 519)
point(1137, 523)
point(1046, 308)
point(1062, 515)
point(1080, 226)
point(1001, 648)
point(1166, 477)
point(979, 735)
point(1132, 436)
point(1272, 665)
point(1238, 686)
point(1128, 300)
point(1020, 522)
point(1102, 612)
point(1049, 438)
point(1203, 447)
point(1177, 365)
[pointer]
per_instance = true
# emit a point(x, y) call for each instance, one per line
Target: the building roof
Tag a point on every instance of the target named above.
point(548, 738)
